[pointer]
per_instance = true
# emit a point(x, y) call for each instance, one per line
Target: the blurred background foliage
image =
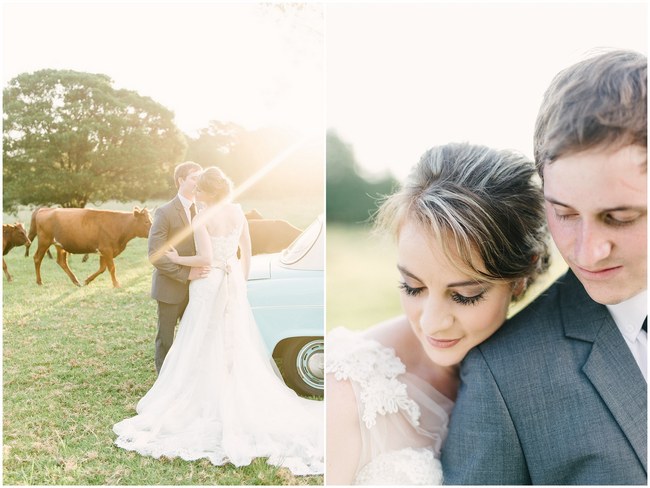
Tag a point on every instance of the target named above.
point(351, 196)
point(361, 275)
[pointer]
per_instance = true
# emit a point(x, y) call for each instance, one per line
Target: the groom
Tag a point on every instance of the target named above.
point(558, 394)
point(170, 283)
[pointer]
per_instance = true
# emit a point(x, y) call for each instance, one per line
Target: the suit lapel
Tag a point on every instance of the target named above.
point(610, 366)
point(615, 375)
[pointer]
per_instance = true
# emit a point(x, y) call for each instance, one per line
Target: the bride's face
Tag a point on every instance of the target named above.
point(449, 311)
point(201, 196)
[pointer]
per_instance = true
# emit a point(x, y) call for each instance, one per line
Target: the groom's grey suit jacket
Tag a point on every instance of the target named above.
point(554, 397)
point(169, 283)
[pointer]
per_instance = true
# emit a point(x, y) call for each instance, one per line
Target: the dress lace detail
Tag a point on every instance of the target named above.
point(219, 395)
point(224, 246)
point(376, 369)
point(408, 466)
point(402, 419)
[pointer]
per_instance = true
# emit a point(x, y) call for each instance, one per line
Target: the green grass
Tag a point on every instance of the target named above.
point(77, 360)
point(362, 280)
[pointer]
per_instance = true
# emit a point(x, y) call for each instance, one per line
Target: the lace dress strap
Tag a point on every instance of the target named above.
point(376, 369)
point(402, 418)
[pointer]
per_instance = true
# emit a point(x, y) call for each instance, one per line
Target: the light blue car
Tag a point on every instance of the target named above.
point(286, 293)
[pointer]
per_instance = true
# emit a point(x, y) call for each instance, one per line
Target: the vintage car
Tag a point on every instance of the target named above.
point(286, 293)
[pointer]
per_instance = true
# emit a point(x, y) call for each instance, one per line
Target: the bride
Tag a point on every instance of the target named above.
point(471, 238)
point(219, 395)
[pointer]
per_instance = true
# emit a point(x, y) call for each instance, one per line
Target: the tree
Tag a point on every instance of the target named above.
point(214, 143)
point(70, 138)
point(241, 153)
point(351, 198)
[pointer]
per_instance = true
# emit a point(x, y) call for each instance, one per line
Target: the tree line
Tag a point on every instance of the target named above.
point(351, 197)
point(70, 138)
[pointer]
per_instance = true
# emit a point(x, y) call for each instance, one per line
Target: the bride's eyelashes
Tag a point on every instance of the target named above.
point(455, 296)
point(463, 300)
point(409, 290)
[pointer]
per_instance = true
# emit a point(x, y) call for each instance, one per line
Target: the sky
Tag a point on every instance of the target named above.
point(392, 79)
point(233, 62)
point(402, 78)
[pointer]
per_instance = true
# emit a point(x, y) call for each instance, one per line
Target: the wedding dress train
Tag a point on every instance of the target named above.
point(219, 395)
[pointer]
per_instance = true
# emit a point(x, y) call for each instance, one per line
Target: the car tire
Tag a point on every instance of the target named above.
point(303, 364)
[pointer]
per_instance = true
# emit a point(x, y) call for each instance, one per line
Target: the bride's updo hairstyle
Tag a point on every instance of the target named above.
point(215, 183)
point(488, 202)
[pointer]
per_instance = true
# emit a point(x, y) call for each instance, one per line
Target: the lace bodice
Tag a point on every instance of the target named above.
point(224, 262)
point(225, 246)
point(403, 420)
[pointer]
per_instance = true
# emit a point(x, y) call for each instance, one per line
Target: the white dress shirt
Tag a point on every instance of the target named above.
point(186, 205)
point(629, 316)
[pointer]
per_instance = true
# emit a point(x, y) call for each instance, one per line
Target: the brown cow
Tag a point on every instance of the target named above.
point(12, 235)
point(268, 235)
point(253, 214)
point(85, 230)
point(33, 232)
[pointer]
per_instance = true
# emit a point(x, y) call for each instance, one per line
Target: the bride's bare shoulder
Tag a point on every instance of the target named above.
point(395, 333)
point(230, 212)
point(236, 210)
point(232, 207)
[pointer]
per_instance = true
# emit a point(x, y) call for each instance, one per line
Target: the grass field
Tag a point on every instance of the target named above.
point(77, 360)
point(362, 280)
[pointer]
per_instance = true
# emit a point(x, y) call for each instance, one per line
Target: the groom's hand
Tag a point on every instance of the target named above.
point(198, 273)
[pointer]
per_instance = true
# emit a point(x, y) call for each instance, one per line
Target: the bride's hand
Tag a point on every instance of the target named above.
point(172, 255)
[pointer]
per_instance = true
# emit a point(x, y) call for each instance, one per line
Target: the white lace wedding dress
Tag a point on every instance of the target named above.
point(218, 394)
point(403, 420)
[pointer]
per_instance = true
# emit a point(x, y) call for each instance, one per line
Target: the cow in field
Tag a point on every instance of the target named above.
point(85, 230)
point(270, 235)
point(33, 232)
point(12, 235)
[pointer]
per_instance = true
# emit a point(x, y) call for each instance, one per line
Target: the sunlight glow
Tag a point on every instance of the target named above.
point(423, 74)
point(252, 64)
point(237, 192)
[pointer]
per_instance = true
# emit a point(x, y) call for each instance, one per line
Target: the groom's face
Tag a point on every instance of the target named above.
point(187, 185)
point(596, 205)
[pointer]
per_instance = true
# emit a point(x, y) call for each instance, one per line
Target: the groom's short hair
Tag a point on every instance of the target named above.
point(183, 169)
point(598, 102)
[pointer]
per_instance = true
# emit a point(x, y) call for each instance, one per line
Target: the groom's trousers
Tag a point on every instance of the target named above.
point(168, 316)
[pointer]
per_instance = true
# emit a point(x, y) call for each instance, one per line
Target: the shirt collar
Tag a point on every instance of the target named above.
point(629, 315)
point(186, 202)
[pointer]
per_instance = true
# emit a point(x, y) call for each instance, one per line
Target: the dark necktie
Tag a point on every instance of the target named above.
point(192, 212)
point(645, 325)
